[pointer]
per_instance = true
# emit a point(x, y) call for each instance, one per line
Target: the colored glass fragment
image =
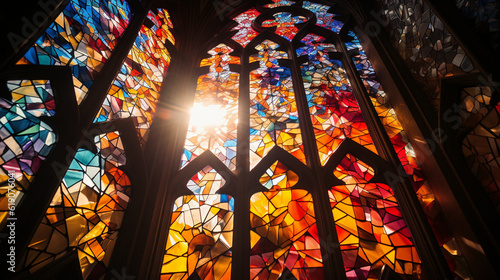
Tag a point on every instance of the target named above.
point(273, 110)
point(136, 88)
point(278, 176)
point(214, 116)
point(82, 37)
point(86, 212)
point(206, 181)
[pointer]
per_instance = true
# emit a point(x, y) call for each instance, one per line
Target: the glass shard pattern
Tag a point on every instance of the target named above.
point(335, 113)
point(82, 37)
point(33, 96)
point(273, 111)
point(279, 3)
point(86, 212)
point(481, 145)
point(214, 116)
point(425, 44)
point(284, 237)
point(201, 231)
point(25, 144)
point(483, 15)
point(369, 224)
point(245, 32)
point(136, 89)
point(324, 19)
point(285, 24)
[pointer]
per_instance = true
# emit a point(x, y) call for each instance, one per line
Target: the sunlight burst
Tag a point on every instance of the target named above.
point(207, 116)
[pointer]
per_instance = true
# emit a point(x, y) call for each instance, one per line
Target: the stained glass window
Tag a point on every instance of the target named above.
point(284, 237)
point(274, 120)
point(431, 53)
point(86, 212)
point(481, 115)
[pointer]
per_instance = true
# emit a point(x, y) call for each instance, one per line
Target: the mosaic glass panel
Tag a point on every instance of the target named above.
point(284, 237)
point(136, 88)
point(33, 96)
point(274, 118)
point(82, 37)
point(425, 44)
point(279, 3)
point(214, 115)
point(323, 18)
point(483, 15)
point(370, 226)
point(201, 231)
point(285, 24)
point(245, 32)
point(335, 113)
point(86, 212)
point(481, 145)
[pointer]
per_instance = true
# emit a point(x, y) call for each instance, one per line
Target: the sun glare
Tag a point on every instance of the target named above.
point(206, 116)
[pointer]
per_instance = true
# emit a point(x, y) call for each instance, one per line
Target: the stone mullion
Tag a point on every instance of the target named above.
point(241, 230)
point(330, 248)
